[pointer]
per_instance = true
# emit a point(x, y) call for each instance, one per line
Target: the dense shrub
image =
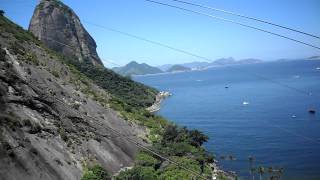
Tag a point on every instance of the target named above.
point(128, 91)
point(145, 159)
point(138, 173)
point(95, 173)
point(197, 138)
point(55, 74)
point(174, 134)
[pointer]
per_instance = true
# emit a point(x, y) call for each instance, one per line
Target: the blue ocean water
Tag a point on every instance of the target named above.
point(275, 127)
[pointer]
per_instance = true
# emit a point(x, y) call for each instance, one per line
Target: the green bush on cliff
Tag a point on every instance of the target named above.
point(95, 173)
point(129, 92)
point(138, 173)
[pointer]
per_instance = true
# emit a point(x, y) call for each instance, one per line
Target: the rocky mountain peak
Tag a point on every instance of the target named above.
point(60, 29)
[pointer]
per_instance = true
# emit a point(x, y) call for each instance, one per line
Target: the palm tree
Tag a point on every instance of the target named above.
point(280, 172)
point(261, 171)
point(253, 171)
point(251, 166)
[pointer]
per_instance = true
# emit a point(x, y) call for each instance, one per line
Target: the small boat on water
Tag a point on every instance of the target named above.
point(245, 103)
point(318, 68)
point(312, 111)
point(293, 116)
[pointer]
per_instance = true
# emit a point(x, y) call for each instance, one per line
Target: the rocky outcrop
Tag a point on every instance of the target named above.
point(60, 29)
point(51, 127)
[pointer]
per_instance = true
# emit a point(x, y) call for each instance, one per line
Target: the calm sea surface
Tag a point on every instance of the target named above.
point(274, 127)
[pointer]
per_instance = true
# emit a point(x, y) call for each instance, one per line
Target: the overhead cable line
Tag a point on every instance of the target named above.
point(233, 22)
point(188, 53)
point(263, 78)
point(74, 48)
point(247, 17)
point(149, 41)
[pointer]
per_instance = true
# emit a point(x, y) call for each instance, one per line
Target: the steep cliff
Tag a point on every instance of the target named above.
point(57, 25)
point(54, 121)
point(59, 28)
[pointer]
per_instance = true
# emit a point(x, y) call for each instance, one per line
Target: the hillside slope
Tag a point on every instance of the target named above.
point(54, 121)
point(57, 22)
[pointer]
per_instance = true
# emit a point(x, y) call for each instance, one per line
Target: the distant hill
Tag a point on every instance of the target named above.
point(249, 61)
point(177, 67)
point(224, 61)
point(196, 64)
point(165, 67)
point(219, 62)
point(314, 58)
point(134, 68)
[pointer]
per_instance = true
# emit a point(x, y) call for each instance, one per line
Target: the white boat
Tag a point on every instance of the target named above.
point(318, 68)
point(245, 103)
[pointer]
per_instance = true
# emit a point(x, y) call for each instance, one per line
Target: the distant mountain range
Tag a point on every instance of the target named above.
point(134, 68)
point(178, 68)
point(197, 65)
point(314, 58)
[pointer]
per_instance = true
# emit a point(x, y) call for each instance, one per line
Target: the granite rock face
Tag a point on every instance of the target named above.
point(50, 126)
point(60, 29)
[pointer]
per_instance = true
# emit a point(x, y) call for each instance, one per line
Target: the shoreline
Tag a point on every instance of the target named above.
point(156, 106)
point(215, 169)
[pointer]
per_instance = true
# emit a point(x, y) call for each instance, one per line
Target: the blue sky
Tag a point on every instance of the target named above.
point(198, 34)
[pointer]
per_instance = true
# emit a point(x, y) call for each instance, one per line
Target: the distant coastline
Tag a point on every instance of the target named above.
point(159, 98)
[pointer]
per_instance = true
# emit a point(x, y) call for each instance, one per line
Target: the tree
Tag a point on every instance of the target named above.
point(1, 12)
point(170, 133)
point(261, 171)
point(251, 166)
point(197, 138)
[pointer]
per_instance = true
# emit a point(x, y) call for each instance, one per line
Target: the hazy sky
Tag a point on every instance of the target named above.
point(198, 34)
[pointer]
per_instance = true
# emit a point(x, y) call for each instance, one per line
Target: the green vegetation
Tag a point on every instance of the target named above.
point(130, 99)
point(1, 12)
point(55, 73)
point(18, 32)
point(95, 173)
point(31, 58)
point(128, 91)
point(179, 145)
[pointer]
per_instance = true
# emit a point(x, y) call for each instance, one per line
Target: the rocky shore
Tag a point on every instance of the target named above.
point(159, 98)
